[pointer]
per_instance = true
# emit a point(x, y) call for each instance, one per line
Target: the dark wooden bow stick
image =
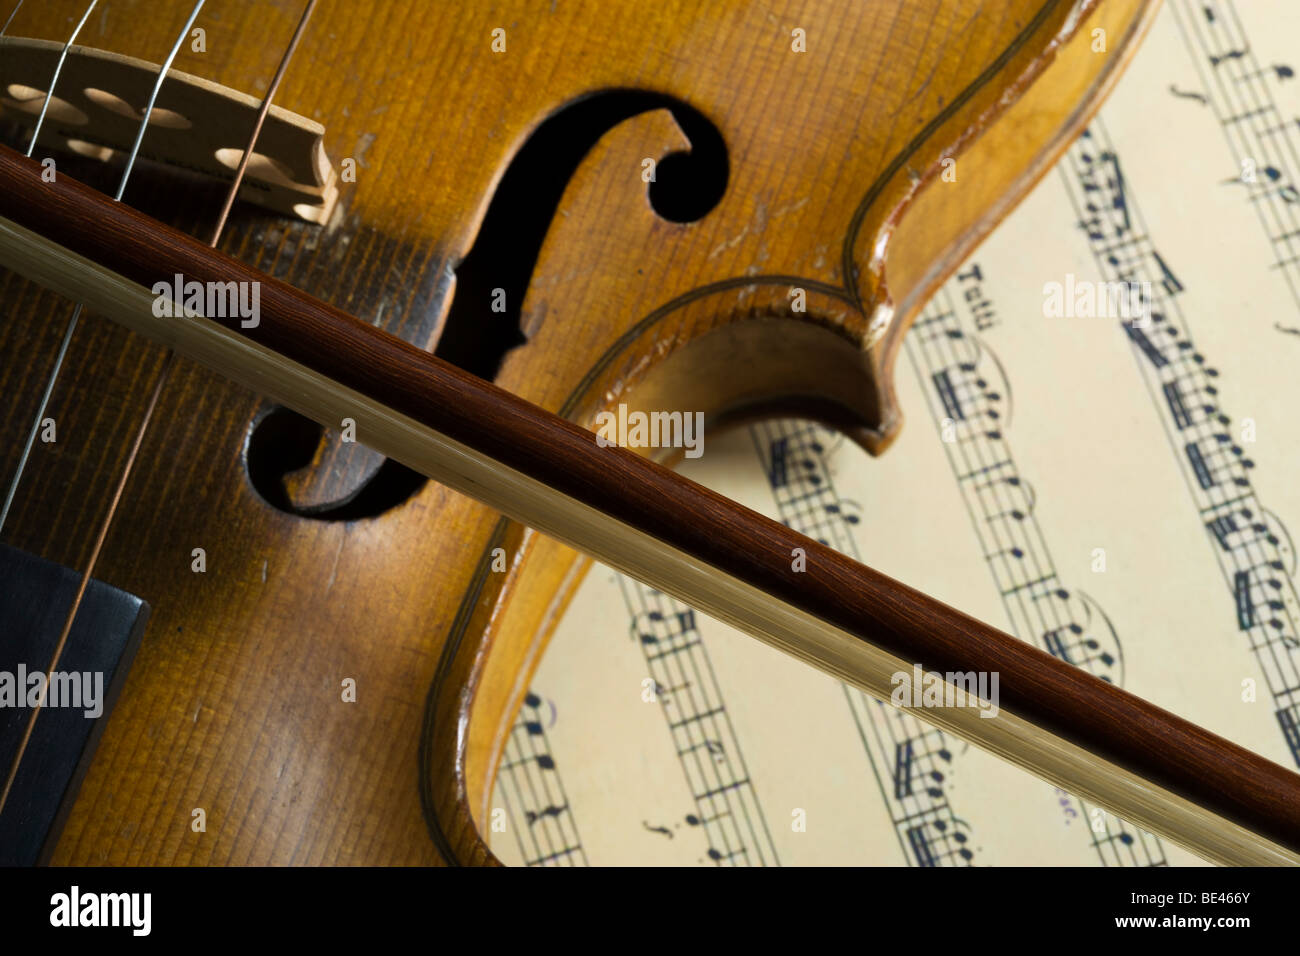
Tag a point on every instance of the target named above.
point(1082, 733)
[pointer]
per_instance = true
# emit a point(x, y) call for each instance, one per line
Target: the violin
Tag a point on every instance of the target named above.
point(328, 327)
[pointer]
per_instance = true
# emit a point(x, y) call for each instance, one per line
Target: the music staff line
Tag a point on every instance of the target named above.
point(1236, 89)
point(538, 814)
point(915, 787)
point(708, 749)
point(1000, 503)
point(1251, 546)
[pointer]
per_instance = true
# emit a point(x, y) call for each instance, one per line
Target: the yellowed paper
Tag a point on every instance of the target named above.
point(1116, 491)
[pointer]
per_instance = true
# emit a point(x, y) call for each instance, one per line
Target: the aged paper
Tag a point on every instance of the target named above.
point(1116, 491)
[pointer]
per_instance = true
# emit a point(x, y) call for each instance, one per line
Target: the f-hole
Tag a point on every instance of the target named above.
point(686, 187)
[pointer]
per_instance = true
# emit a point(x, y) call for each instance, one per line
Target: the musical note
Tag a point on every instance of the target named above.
point(1223, 527)
point(1245, 607)
point(661, 830)
point(931, 841)
point(1174, 398)
point(1199, 97)
point(1223, 459)
point(1041, 604)
point(1199, 466)
point(903, 769)
point(1055, 641)
point(1289, 719)
point(778, 474)
point(532, 816)
point(920, 844)
point(544, 827)
point(947, 395)
point(695, 716)
point(1147, 347)
point(919, 757)
point(1115, 183)
point(1251, 545)
point(1228, 56)
point(1168, 280)
point(1086, 639)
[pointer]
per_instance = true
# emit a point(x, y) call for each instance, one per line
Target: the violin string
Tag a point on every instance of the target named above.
point(152, 404)
point(13, 13)
point(62, 354)
point(54, 374)
point(72, 323)
point(153, 94)
point(54, 80)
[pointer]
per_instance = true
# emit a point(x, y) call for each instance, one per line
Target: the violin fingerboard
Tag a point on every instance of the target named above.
point(105, 633)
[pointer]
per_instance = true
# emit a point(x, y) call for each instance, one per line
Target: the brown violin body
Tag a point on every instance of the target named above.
point(843, 159)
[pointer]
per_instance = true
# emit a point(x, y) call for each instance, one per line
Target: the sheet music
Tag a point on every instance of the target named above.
point(1117, 493)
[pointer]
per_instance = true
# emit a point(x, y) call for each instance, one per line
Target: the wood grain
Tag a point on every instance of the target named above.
point(234, 699)
point(633, 491)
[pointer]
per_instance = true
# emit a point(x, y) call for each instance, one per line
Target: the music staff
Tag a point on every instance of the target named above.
point(918, 786)
point(727, 812)
point(1002, 503)
point(1244, 537)
point(529, 785)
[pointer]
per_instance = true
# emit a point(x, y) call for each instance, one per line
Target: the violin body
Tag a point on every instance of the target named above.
point(718, 207)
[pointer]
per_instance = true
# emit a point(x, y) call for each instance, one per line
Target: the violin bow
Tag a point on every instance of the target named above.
point(1074, 730)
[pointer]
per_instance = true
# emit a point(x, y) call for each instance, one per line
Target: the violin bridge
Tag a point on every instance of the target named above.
point(196, 125)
